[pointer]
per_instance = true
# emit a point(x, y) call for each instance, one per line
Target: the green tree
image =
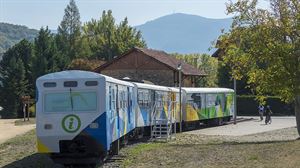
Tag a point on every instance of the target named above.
point(69, 35)
point(225, 80)
point(203, 62)
point(264, 46)
point(24, 51)
point(13, 83)
point(80, 64)
point(46, 57)
point(106, 39)
point(128, 37)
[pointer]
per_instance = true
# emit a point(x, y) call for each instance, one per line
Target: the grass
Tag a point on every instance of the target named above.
point(187, 151)
point(21, 152)
point(272, 154)
point(132, 153)
point(204, 153)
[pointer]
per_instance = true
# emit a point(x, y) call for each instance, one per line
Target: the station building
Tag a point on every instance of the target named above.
point(158, 67)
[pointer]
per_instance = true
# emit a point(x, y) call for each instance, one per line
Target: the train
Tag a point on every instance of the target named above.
point(81, 116)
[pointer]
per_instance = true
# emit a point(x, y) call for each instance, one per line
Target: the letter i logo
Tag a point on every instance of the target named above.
point(71, 123)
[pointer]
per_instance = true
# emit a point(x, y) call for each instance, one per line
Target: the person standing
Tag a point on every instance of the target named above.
point(268, 112)
point(261, 112)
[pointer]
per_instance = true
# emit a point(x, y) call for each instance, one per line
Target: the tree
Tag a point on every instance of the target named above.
point(24, 51)
point(46, 57)
point(84, 64)
point(225, 80)
point(13, 83)
point(205, 63)
point(264, 46)
point(128, 37)
point(106, 39)
point(68, 36)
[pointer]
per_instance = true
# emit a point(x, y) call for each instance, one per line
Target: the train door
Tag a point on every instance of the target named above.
point(113, 111)
point(123, 110)
point(129, 108)
point(117, 117)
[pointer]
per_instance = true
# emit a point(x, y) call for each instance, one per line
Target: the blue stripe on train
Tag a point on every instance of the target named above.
point(99, 134)
point(103, 134)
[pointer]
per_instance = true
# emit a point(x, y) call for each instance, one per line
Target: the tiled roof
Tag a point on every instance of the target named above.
point(164, 58)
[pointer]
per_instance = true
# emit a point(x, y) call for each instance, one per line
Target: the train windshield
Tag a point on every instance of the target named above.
point(70, 101)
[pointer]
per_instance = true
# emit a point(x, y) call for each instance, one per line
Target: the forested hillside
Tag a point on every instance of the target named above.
point(11, 34)
point(183, 33)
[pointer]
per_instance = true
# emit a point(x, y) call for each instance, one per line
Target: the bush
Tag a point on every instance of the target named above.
point(32, 111)
point(248, 106)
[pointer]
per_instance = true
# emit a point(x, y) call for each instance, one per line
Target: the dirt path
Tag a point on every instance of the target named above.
point(248, 127)
point(9, 130)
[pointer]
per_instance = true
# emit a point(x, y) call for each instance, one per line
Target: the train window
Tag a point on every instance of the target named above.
point(140, 97)
point(91, 83)
point(159, 99)
point(196, 100)
point(70, 101)
point(124, 99)
point(70, 84)
point(49, 84)
point(146, 99)
point(113, 101)
point(129, 105)
point(110, 98)
point(84, 101)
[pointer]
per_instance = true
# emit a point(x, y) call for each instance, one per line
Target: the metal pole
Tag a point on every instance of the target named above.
point(27, 109)
point(180, 105)
point(24, 111)
point(235, 106)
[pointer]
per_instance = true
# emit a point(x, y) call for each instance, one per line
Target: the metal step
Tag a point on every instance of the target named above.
point(166, 131)
point(162, 137)
point(162, 128)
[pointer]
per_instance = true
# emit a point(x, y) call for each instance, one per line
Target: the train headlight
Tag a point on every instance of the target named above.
point(94, 125)
point(48, 126)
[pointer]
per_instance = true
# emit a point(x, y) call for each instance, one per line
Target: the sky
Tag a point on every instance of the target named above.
point(38, 13)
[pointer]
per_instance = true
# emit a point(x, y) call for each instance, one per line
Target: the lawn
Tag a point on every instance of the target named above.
point(187, 151)
point(215, 155)
point(21, 152)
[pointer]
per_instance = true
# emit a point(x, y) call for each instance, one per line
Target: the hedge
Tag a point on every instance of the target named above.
point(248, 106)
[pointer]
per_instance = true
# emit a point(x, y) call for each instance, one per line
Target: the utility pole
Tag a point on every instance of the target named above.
point(179, 68)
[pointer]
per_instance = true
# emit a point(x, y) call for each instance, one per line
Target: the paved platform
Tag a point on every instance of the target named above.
point(248, 127)
point(9, 130)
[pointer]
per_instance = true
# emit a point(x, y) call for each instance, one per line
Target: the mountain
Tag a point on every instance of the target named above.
point(11, 34)
point(183, 33)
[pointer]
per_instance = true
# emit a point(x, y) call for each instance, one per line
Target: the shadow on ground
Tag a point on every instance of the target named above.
point(35, 161)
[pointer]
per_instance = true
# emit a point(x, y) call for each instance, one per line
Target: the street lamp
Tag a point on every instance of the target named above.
point(179, 68)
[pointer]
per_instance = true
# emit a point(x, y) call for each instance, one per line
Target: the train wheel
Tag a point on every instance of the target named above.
point(220, 121)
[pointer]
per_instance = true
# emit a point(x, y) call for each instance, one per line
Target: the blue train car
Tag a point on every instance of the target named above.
point(82, 115)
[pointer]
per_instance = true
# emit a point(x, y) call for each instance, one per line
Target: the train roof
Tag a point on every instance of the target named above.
point(207, 90)
point(174, 89)
point(71, 74)
point(151, 87)
point(117, 81)
point(78, 74)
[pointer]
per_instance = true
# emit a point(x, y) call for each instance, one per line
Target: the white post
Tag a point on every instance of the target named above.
point(180, 102)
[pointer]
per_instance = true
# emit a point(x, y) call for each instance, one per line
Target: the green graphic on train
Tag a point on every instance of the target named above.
point(206, 106)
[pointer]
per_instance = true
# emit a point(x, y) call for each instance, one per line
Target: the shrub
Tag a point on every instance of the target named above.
point(247, 105)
